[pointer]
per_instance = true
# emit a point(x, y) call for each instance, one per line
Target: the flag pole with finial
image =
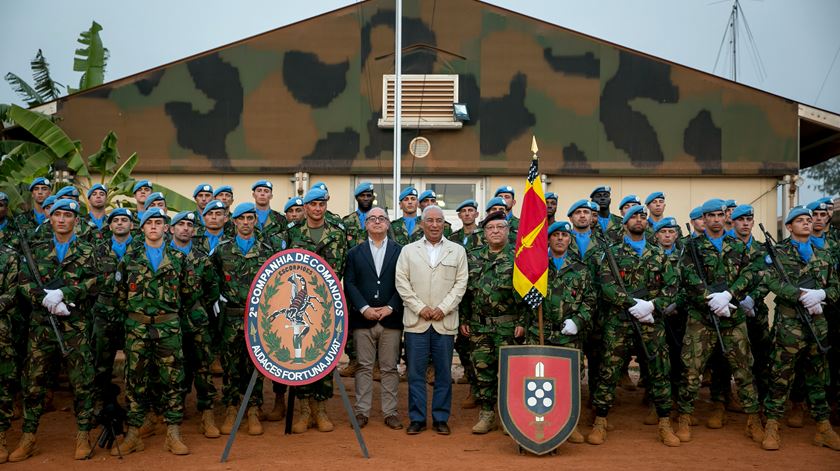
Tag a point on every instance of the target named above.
point(534, 150)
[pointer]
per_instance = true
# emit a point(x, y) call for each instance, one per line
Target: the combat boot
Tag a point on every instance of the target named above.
point(278, 413)
point(576, 436)
point(173, 441)
point(666, 433)
point(771, 435)
point(82, 445)
point(254, 425)
point(796, 417)
point(304, 419)
point(684, 428)
point(486, 422)
point(754, 429)
point(208, 424)
point(4, 452)
point(652, 418)
point(149, 425)
point(598, 435)
point(350, 370)
point(230, 420)
point(321, 419)
point(718, 417)
point(216, 367)
point(469, 401)
point(826, 436)
point(734, 404)
point(131, 443)
point(25, 448)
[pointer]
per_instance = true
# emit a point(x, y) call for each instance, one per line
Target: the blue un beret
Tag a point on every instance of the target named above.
point(664, 223)
point(731, 203)
point(577, 205)
point(215, 204)
point(291, 203)
point(363, 187)
point(262, 183)
point(48, 201)
point(243, 208)
point(796, 212)
point(818, 205)
point(465, 203)
point(322, 186)
point(742, 210)
point(696, 213)
point(497, 201)
point(188, 215)
point(156, 196)
point(827, 200)
point(152, 213)
point(4, 197)
point(222, 189)
point(504, 189)
point(630, 212)
point(629, 199)
point(562, 226)
point(714, 204)
point(315, 194)
point(141, 184)
point(65, 205)
point(594, 206)
point(202, 187)
point(410, 191)
point(119, 212)
point(599, 189)
point(98, 186)
point(551, 196)
point(653, 196)
point(426, 195)
point(39, 181)
point(69, 190)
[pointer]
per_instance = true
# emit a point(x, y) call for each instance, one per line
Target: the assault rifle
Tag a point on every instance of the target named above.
point(698, 265)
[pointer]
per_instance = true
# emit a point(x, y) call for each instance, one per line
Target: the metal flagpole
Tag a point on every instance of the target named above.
point(397, 107)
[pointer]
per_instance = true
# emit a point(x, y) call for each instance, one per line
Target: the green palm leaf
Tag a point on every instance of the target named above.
point(46, 87)
point(91, 59)
point(24, 90)
point(45, 131)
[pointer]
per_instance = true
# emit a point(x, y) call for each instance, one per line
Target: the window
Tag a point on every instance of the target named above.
point(426, 102)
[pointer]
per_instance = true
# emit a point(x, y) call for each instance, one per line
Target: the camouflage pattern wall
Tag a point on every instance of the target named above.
point(308, 97)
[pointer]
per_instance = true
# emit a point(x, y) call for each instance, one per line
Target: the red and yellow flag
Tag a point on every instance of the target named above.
point(530, 270)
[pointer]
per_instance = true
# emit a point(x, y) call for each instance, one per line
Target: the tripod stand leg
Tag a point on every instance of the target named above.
point(239, 415)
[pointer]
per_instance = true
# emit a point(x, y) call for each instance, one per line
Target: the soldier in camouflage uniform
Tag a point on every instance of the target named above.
point(195, 326)
point(202, 195)
point(294, 209)
point(606, 225)
point(316, 234)
point(506, 193)
point(28, 221)
point(550, 207)
point(269, 222)
point(153, 281)
point(97, 197)
point(354, 223)
point(8, 360)
point(330, 216)
point(236, 262)
point(730, 275)
point(141, 191)
point(793, 343)
point(224, 194)
point(651, 285)
point(68, 265)
point(402, 230)
point(497, 203)
point(493, 314)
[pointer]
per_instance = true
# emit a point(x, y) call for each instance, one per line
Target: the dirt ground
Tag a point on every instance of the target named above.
point(631, 445)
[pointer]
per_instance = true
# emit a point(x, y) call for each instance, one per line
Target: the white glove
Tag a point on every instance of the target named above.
point(60, 309)
point(748, 305)
point(52, 298)
point(216, 309)
point(717, 301)
point(672, 308)
point(811, 297)
point(569, 327)
point(641, 309)
point(647, 319)
point(724, 311)
point(815, 310)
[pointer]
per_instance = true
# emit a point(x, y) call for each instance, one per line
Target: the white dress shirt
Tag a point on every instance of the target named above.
point(433, 250)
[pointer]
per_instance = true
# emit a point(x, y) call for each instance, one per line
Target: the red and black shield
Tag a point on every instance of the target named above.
point(539, 394)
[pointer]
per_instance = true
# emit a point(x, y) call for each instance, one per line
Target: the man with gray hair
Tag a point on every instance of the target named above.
point(431, 278)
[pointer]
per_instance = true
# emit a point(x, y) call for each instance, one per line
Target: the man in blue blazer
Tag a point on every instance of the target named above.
point(376, 316)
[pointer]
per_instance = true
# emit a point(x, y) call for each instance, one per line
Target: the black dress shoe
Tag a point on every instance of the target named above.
point(415, 427)
point(441, 428)
point(393, 422)
point(362, 420)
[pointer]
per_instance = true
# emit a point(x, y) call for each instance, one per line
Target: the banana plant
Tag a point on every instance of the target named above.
point(91, 59)
point(45, 88)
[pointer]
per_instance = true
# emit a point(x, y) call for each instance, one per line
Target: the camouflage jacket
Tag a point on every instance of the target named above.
point(105, 306)
point(571, 295)
point(26, 222)
point(759, 289)
point(356, 232)
point(398, 232)
point(9, 272)
point(470, 241)
point(652, 272)
point(821, 268)
point(145, 291)
point(732, 267)
point(9, 235)
point(490, 292)
point(275, 225)
point(614, 232)
point(235, 271)
point(332, 247)
point(205, 290)
point(77, 274)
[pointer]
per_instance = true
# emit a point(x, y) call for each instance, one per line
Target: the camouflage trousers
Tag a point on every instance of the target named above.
point(792, 346)
point(619, 342)
point(699, 343)
point(761, 345)
point(236, 363)
point(44, 353)
point(320, 390)
point(8, 372)
point(154, 364)
point(462, 347)
point(675, 324)
point(108, 337)
point(198, 356)
point(484, 355)
point(592, 348)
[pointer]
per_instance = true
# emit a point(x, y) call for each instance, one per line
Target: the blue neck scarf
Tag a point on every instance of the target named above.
point(200, 217)
point(509, 215)
point(245, 244)
point(669, 251)
point(39, 217)
point(4, 224)
point(140, 215)
point(731, 232)
point(805, 249)
point(409, 224)
point(61, 249)
point(604, 222)
point(819, 242)
point(262, 217)
point(637, 246)
point(717, 241)
point(184, 250)
point(119, 248)
point(559, 261)
point(362, 217)
point(749, 242)
point(98, 221)
point(155, 255)
point(213, 240)
point(582, 240)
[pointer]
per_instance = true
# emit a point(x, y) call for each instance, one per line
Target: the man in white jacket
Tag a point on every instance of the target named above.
point(431, 279)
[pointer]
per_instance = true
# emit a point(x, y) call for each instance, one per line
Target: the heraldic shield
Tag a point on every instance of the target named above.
point(539, 395)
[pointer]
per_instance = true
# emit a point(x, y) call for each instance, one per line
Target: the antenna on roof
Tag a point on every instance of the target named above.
point(737, 24)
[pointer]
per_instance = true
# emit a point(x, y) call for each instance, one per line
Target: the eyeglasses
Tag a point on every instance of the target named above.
point(375, 219)
point(495, 227)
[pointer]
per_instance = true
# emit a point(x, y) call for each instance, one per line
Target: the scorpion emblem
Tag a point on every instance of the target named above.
point(296, 314)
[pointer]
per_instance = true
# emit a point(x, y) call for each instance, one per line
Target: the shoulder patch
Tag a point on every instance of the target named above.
point(291, 225)
point(768, 260)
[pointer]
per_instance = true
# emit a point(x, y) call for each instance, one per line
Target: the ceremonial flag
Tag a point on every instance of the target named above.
point(530, 270)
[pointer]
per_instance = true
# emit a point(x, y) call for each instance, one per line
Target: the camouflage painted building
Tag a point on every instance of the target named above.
point(308, 97)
